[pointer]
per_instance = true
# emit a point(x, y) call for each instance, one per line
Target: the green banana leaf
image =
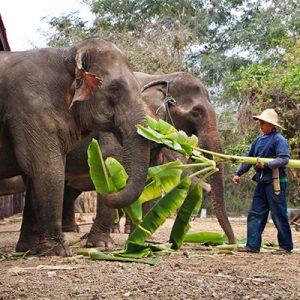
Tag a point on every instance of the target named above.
point(161, 211)
point(118, 176)
point(206, 238)
point(138, 250)
point(164, 133)
point(109, 176)
point(135, 252)
point(161, 126)
point(97, 255)
point(151, 191)
point(132, 247)
point(181, 224)
point(165, 177)
point(98, 171)
point(134, 212)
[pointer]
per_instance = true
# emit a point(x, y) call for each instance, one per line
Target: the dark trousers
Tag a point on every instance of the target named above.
point(264, 200)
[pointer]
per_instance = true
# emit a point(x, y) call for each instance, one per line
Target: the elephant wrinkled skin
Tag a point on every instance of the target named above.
point(49, 99)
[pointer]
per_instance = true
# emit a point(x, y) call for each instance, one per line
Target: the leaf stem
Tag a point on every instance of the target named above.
point(208, 169)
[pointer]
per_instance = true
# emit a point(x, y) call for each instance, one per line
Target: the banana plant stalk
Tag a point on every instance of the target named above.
point(219, 157)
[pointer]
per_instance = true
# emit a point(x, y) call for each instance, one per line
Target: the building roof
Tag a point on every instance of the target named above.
point(4, 45)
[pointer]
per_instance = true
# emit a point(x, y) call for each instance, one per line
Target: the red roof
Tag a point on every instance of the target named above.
point(4, 45)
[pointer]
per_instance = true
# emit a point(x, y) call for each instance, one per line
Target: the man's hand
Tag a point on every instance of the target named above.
point(236, 179)
point(260, 164)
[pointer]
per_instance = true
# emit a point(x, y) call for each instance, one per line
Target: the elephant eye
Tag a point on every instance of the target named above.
point(196, 112)
point(114, 88)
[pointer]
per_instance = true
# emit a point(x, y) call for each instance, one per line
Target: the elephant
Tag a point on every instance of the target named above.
point(50, 99)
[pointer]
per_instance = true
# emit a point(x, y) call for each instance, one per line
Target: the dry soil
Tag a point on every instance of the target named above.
point(193, 272)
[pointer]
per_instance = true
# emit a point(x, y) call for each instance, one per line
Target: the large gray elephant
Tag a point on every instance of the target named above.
point(50, 99)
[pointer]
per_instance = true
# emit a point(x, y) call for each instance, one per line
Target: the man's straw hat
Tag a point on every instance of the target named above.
point(269, 116)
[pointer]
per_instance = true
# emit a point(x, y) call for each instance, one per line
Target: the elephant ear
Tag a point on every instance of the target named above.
point(85, 82)
point(154, 94)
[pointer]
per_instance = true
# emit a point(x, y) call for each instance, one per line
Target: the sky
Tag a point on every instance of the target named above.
point(22, 19)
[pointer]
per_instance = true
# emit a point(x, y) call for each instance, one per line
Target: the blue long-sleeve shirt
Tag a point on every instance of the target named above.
point(272, 145)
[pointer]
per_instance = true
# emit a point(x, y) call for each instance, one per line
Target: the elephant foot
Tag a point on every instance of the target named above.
point(27, 244)
point(50, 245)
point(100, 240)
point(70, 227)
point(116, 228)
point(44, 246)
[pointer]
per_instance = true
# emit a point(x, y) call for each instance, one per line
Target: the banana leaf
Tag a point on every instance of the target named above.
point(162, 126)
point(138, 250)
point(164, 133)
point(151, 191)
point(101, 256)
point(134, 212)
point(169, 140)
point(109, 176)
point(181, 224)
point(165, 177)
point(135, 252)
point(161, 211)
point(118, 176)
point(206, 238)
point(98, 171)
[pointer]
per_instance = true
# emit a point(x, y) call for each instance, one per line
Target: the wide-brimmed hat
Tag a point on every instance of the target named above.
point(269, 116)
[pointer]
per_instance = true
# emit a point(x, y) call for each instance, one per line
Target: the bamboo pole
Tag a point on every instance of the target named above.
point(219, 157)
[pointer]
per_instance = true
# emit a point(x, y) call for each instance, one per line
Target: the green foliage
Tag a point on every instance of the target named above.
point(160, 212)
point(182, 221)
point(109, 176)
point(276, 85)
point(206, 238)
point(164, 182)
point(162, 132)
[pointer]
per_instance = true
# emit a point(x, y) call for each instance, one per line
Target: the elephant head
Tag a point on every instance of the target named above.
point(193, 113)
point(104, 78)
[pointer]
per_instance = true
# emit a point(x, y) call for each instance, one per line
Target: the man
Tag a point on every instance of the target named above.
point(272, 145)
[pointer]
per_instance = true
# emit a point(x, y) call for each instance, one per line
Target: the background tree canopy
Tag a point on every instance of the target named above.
point(247, 53)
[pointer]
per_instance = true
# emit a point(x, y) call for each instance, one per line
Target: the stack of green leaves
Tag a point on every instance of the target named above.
point(165, 183)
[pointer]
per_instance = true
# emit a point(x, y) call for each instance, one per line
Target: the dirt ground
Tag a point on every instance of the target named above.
point(190, 273)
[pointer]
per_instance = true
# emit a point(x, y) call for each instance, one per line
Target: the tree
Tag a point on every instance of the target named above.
point(244, 50)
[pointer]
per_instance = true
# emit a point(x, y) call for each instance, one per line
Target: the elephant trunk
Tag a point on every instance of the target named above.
point(212, 143)
point(136, 156)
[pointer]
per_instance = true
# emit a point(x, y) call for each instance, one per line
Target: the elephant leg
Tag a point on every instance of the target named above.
point(68, 219)
point(28, 240)
point(99, 235)
point(45, 204)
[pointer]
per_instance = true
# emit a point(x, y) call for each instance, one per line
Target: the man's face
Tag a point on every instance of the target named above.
point(266, 127)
